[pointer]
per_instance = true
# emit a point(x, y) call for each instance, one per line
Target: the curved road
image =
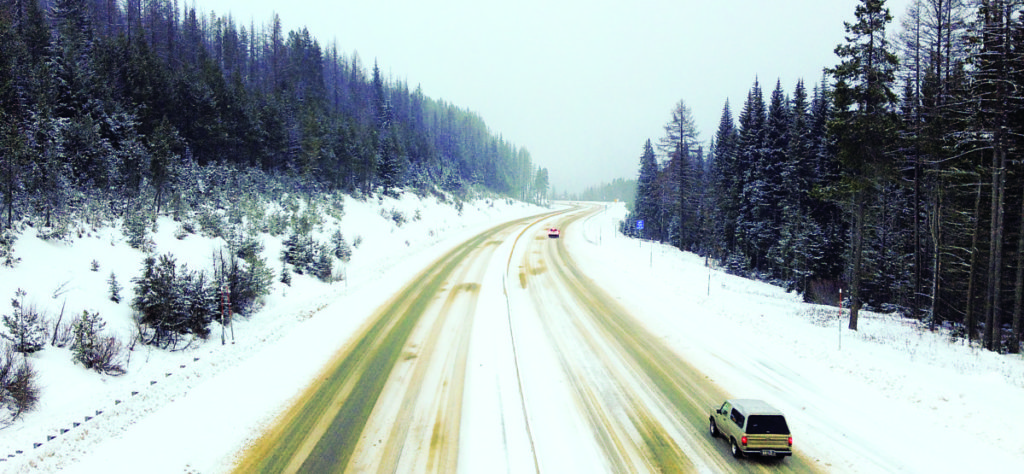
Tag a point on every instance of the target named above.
point(578, 384)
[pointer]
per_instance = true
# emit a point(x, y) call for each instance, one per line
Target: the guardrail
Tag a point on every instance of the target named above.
point(61, 431)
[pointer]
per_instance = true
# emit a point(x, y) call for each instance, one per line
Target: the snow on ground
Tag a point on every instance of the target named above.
point(889, 397)
point(892, 398)
point(193, 409)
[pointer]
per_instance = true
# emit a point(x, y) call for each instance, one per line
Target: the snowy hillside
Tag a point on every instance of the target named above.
point(390, 237)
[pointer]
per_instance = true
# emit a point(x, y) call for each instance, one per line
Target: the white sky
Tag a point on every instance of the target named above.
point(580, 84)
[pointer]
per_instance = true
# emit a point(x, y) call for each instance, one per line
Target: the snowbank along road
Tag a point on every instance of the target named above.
point(503, 357)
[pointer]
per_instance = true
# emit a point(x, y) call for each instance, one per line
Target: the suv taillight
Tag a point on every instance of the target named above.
point(744, 440)
point(790, 440)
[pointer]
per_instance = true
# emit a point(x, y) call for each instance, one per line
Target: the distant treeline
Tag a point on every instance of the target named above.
point(114, 97)
point(620, 189)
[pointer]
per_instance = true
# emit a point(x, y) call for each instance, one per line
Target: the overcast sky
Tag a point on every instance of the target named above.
point(580, 84)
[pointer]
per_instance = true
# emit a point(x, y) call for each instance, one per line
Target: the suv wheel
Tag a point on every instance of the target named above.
point(712, 429)
point(736, 453)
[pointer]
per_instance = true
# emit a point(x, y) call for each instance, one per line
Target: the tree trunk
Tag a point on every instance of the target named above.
point(936, 257)
point(971, 287)
point(993, 319)
point(1018, 290)
point(858, 258)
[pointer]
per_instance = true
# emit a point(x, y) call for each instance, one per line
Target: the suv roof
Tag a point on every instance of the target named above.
point(757, 407)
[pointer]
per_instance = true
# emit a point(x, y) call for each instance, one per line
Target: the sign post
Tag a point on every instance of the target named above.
point(640, 228)
point(840, 319)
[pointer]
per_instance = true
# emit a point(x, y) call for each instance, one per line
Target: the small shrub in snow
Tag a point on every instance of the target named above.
point(211, 224)
point(25, 326)
point(7, 239)
point(358, 240)
point(63, 334)
point(248, 280)
point(245, 246)
point(94, 266)
point(299, 251)
point(87, 328)
point(336, 206)
point(822, 316)
point(135, 230)
point(323, 266)
point(19, 391)
point(277, 223)
point(181, 233)
point(396, 216)
point(115, 288)
point(94, 350)
point(308, 256)
point(286, 275)
point(305, 222)
point(341, 247)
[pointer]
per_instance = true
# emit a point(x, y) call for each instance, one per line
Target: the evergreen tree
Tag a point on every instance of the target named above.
point(726, 177)
point(776, 170)
point(753, 236)
point(864, 125)
point(25, 327)
point(683, 193)
point(286, 275)
point(156, 297)
point(87, 329)
point(342, 250)
point(645, 207)
point(115, 288)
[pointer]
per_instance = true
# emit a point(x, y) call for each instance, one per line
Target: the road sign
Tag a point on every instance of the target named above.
point(640, 224)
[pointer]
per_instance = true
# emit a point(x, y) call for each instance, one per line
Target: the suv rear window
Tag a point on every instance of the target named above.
point(767, 424)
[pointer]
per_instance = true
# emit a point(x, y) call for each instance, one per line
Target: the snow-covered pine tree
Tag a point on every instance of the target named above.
point(777, 170)
point(323, 265)
point(299, 251)
point(115, 288)
point(750, 159)
point(25, 327)
point(155, 299)
point(198, 305)
point(645, 207)
point(87, 329)
point(727, 184)
point(286, 275)
point(7, 258)
point(341, 248)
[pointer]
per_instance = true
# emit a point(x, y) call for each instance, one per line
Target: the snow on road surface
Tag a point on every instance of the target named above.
point(892, 399)
point(887, 398)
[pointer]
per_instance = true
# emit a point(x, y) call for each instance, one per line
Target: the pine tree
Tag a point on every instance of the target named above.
point(727, 184)
point(286, 275)
point(25, 327)
point(115, 288)
point(323, 265)
point(683, 194)
point(645, 207)
point(750, 159)
point(87, 329)
point(157, 300)
point(864, 125)
point(341, 248)
point(776, 173)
